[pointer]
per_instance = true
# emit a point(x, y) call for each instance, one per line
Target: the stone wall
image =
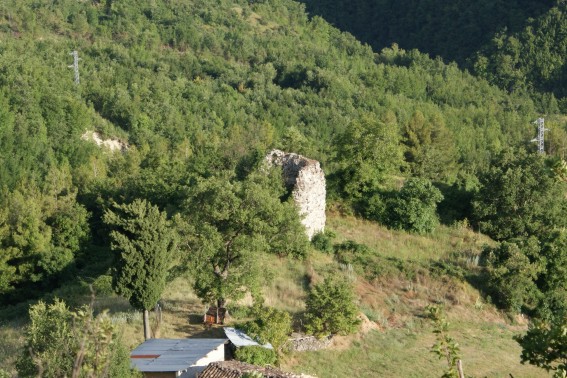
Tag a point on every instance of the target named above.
point(307, 181)
point(305, 343)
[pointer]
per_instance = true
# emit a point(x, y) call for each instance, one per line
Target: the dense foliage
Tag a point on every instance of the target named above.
point(330, 309)
point(269, 326)
point(533, 58)
point(454, 31)
point(519, 197)
point(545, 344)
point(518, 45)
point(256, 355)
point(61, 342)
point(414, 208)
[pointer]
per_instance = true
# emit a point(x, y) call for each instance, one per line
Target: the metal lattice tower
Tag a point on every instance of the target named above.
point(75, 65)
point(540, 135)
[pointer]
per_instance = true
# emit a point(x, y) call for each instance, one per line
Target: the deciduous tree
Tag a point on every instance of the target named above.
point(519, 197)
point(331, 309)
point(545, 344)
point(65, 343)
point(234, 223)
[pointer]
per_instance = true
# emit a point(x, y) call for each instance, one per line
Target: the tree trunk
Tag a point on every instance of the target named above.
point(147, 331)
point(221, 302)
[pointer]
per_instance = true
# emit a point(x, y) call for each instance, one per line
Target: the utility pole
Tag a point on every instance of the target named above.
point(75, 65)
point(540, 135)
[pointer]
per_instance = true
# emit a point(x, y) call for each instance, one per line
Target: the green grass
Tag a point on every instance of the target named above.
point(486, 352)
point(394, 302)
point(400, 244)
point(12, 342)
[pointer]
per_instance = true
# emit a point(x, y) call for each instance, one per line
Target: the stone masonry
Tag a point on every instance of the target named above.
point(307, 181)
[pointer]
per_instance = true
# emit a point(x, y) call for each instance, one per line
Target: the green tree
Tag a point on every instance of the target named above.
point(330, 309)
point(430, 148)
point(233, 223)
point(367, 152)
point(545, 344)
point(41, 234)
point(414, 208)
point(64, 343)
point(145, 244)
point(512, 269)
point(269, 326)
point(519, 197)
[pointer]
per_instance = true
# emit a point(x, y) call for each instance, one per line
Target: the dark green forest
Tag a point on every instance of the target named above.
point(518, 45)
point(199, 91)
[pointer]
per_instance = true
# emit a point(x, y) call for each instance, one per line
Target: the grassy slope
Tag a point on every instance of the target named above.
point(395, 344)
point(400, 348)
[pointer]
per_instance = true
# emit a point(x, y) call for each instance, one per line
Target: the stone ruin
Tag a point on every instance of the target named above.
point(307, 181)
point(306, 343)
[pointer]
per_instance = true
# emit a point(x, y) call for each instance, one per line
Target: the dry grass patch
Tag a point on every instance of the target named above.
point(11, 346)
point(400, 244)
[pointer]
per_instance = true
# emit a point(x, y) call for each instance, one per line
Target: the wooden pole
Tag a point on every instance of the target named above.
point(460, 369)
point(147, 331)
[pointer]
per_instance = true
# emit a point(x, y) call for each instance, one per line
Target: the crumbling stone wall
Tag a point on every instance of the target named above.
point(307, 181)
point(305, 343)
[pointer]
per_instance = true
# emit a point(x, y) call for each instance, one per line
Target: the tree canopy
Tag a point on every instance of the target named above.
point(519, 197)
point(234, 223)
point(145, 246)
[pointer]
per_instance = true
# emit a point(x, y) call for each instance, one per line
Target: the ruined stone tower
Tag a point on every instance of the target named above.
point(307, 181)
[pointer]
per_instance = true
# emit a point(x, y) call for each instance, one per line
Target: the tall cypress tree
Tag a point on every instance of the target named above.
point(145, 242)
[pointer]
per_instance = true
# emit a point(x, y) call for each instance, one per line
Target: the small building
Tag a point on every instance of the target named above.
point(170, 358)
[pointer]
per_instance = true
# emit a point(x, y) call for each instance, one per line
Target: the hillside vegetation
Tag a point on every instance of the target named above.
point(518, 45)
point(435, 192)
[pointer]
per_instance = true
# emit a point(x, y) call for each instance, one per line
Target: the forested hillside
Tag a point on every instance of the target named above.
point(518, 45)
point(199, 91)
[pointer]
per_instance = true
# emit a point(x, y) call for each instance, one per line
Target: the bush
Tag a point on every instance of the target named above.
point(256, 355)
point(545, 344)
point(270, 326)
point(511, 274)
point(414, 209)
point(331, 309)
point(61, 342)
point(323, 241)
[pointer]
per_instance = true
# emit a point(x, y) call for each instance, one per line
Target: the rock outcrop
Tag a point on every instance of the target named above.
point(111, 144)
point(307, 181)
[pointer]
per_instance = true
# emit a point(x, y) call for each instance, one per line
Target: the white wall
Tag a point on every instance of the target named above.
point(212, 356)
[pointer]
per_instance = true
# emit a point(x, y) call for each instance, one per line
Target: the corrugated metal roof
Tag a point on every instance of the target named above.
point(240, 339)
point(172, 354)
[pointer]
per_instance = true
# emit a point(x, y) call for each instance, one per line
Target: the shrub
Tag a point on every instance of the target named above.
point(323, 241)
point(511, 274)
point(256, 355)
point(415, 207)
point(545, 344)
point(61, 342)
point(270, 326)
point(331, 309)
